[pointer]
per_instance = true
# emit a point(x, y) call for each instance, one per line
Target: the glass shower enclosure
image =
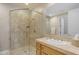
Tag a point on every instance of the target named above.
point(25, 27)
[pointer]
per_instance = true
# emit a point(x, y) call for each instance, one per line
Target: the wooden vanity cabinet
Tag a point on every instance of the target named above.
point(45, 50)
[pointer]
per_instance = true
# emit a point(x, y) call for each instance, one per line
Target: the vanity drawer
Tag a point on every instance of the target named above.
point(50, 51)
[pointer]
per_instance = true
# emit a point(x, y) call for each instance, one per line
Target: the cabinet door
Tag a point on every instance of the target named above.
point(43, 53)
point(38, 52)
point(50, 51)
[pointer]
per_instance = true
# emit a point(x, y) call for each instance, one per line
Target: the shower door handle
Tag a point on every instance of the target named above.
point(27, 26)
point(34, 31)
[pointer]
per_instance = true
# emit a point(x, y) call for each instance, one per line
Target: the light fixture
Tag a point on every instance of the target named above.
point(27, 3)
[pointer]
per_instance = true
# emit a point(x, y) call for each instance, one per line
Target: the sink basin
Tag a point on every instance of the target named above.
point(57, 42)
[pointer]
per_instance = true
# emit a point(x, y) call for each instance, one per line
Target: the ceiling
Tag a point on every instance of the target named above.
point(39, 6)
point(36, 6)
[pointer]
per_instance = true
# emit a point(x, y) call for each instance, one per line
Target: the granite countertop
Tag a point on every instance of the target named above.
point(62, 46)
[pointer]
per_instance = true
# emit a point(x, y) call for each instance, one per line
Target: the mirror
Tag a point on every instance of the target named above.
point(66, 23)
point(59, 24)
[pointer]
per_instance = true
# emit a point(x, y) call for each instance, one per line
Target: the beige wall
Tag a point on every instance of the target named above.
point(4, 27)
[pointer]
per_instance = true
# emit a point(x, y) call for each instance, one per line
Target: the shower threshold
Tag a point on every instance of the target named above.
point(23, 51)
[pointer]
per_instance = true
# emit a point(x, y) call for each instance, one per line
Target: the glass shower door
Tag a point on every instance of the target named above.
point(19, 25)
point(38, 29)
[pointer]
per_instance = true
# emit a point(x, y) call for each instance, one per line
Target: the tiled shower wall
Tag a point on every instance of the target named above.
point(26, 26)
